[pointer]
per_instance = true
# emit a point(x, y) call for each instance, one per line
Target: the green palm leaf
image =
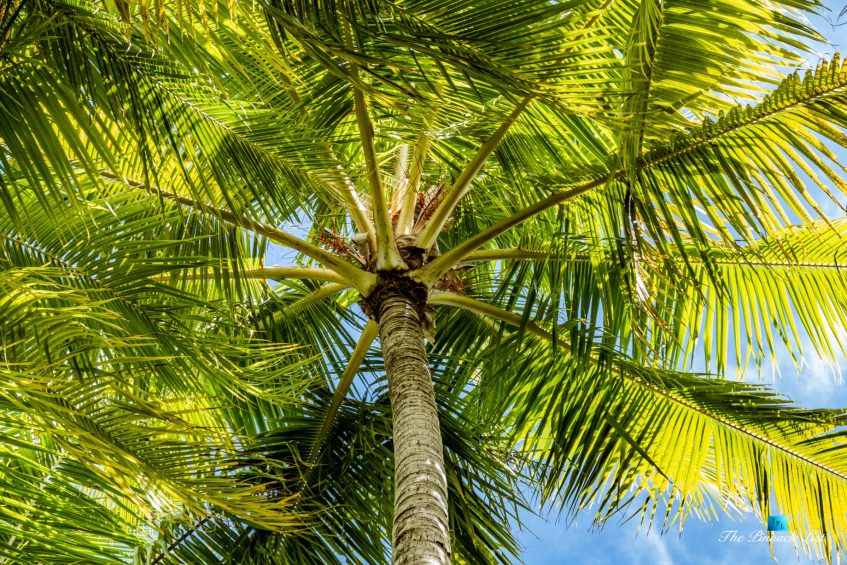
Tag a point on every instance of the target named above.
point(211, 210)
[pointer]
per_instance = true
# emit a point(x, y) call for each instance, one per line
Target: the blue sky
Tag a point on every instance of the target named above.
point(815, 384)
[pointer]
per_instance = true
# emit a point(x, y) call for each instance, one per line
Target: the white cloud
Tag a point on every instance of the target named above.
point(651, 548)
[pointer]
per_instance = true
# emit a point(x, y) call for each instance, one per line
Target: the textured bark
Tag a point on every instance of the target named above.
point(421, 534)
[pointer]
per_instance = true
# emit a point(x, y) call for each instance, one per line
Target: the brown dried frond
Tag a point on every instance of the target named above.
point(451, 282)
point(427, 203)
point(339, 245)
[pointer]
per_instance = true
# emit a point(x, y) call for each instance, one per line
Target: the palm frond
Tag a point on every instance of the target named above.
point(613, 433)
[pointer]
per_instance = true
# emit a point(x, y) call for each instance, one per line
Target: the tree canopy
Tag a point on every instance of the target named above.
point(597, 196)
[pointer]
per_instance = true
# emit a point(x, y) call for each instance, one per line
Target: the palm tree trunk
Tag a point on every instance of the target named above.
point(421, 533)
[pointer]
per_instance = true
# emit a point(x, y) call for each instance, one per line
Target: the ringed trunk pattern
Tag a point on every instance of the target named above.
point(421, 530)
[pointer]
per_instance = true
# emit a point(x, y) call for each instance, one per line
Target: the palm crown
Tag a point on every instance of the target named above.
point(572, 201)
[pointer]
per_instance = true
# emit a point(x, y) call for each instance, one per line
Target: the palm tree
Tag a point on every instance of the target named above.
point(545, 212)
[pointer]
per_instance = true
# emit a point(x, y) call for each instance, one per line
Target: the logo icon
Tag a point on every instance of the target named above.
point(777, 524)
